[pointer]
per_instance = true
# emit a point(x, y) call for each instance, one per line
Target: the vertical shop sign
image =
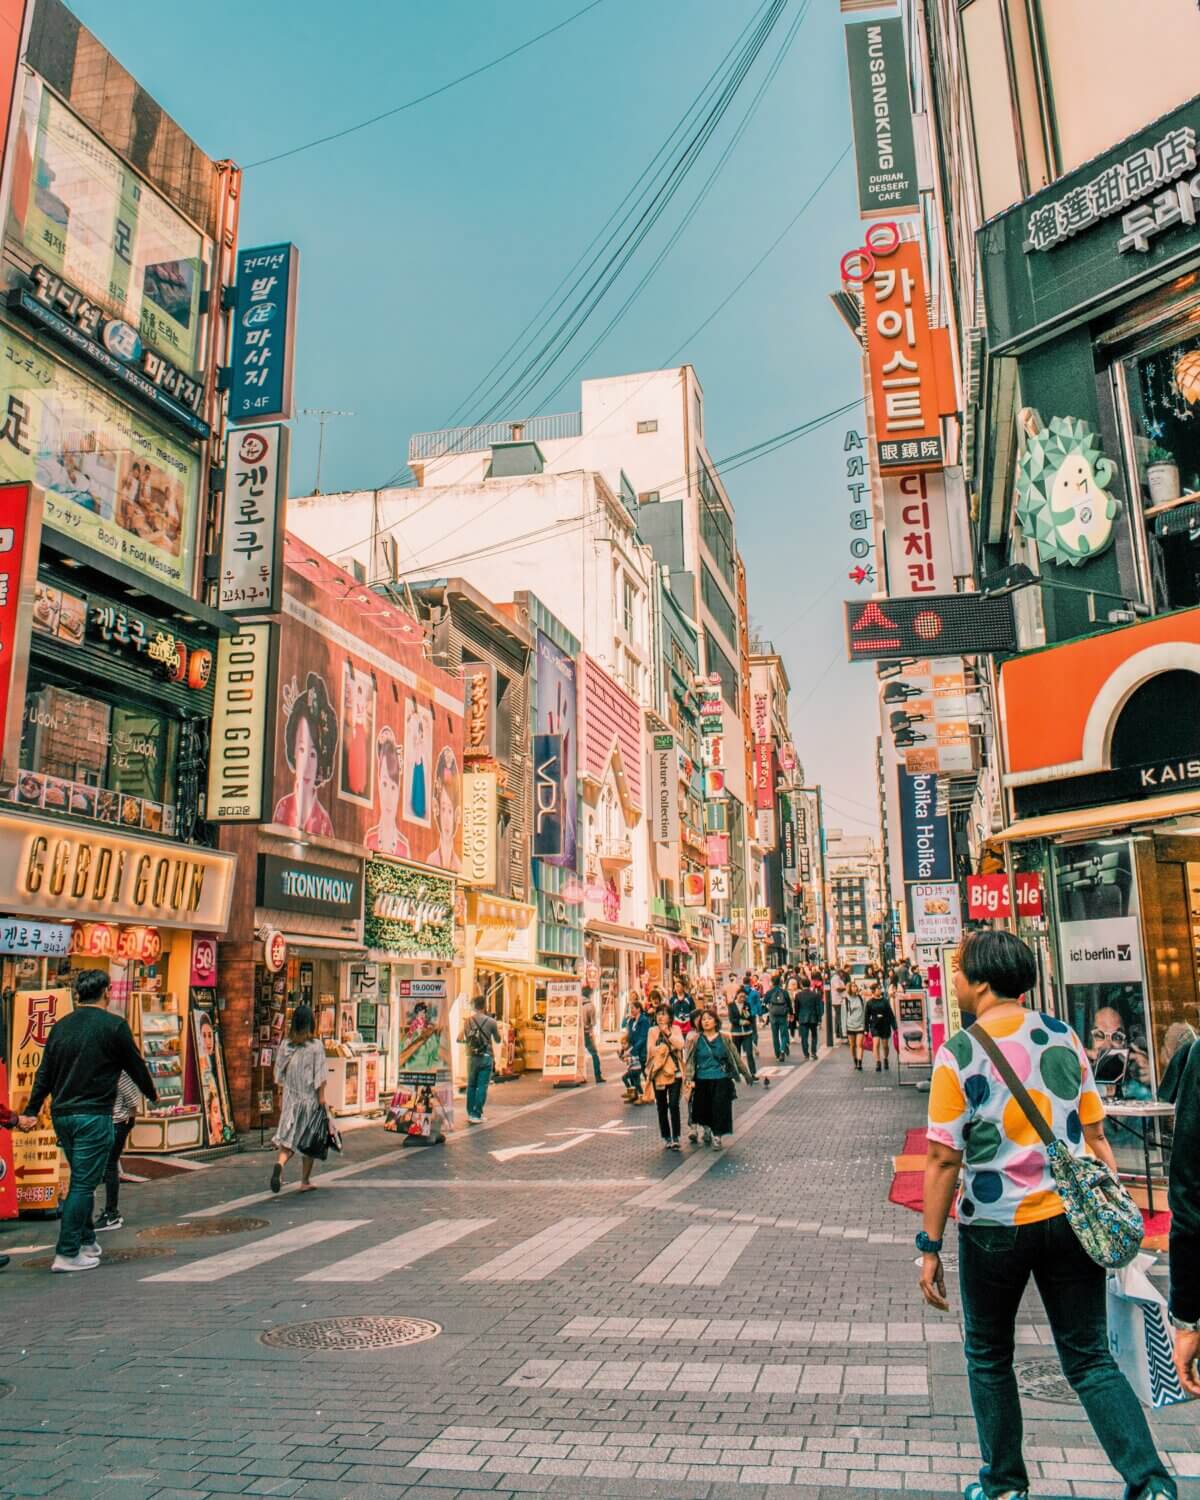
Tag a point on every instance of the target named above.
point(20, 536)
point(549, 822)
point(557, 703)
point(760, 717)
point(36, 1158)
point(882, 119)
point(787, 834)
point(204, 961)
point(924, 834)
point(480, 821)
point(764, 777)
point(858, 488)
point(242, 741)
point(664, 781)
point(8, 1180)
point(479, 734)
point(253, 519)
point(917, 534)
point(264, 327)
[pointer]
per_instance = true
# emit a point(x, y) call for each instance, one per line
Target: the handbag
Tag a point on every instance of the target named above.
point(316, 1137)
point(1106, 1221)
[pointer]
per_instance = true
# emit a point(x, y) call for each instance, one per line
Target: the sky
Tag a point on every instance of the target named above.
point(428, 241)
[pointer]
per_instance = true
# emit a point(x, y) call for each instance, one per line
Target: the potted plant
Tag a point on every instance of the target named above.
point(1162, 475)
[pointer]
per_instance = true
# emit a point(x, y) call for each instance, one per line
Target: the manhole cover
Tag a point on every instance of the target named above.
point(352, 1333)
point(1043, 1380)
point(201, 1229)
point(111, 1257)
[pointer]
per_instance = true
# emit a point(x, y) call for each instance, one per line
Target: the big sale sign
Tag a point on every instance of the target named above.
point(989, 896)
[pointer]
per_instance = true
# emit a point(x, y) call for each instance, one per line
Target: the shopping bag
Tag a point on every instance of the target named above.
point(1139, 1336)
point(868, 1042)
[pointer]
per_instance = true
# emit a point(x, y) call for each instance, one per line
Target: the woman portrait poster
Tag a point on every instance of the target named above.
point(357, 763)
point(310, 740)
point(385, 837)
point(447, 811)
point(418, 746)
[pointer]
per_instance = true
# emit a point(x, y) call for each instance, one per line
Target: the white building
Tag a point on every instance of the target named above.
point(853, 876)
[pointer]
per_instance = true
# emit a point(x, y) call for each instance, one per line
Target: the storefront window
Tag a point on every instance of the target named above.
point(97, 760)
point(1163, 387)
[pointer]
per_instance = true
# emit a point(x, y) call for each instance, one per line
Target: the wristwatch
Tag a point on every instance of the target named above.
point(927, 1246)
point(1183, 1325)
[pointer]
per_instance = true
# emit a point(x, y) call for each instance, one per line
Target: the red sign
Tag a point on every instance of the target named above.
point(8, 1181)
point(204, 961)
point(1029, 893)
point(274, 950)
point(141, 943)
point(20, 532)
point(717, 845)
point(989, 895)
point(764, 789)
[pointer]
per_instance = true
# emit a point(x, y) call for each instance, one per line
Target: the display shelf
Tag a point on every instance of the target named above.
point(169, 1124)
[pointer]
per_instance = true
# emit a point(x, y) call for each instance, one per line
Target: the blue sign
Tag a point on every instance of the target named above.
point(264, 325)
point(924, 835)
point(549, 814)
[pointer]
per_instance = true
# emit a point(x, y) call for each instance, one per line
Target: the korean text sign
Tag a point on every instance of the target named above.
point(264, 326)
point(917, 534)
point(256, 480)
point(902, 359)
point(20, 533)
point(35, 1155)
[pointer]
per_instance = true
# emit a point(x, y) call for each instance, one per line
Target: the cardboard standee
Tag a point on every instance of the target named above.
point(563, 1058)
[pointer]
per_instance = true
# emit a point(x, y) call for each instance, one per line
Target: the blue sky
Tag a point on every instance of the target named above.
point(428, 241)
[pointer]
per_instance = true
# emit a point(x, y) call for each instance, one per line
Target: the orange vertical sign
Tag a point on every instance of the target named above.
point(903, 358)
point(36, 1159)
point(8, 1183)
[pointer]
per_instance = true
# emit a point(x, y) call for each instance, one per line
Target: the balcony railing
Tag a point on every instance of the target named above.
point(423, 446)
point(614, 854)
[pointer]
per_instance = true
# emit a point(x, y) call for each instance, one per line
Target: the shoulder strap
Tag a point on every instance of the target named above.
point(1018, 1090)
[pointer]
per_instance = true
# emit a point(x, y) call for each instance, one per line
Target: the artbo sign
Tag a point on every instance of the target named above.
point(301, 885)
point(1105, 951)
point(256, 485)
point(664, 782)
point(882, 118)
point(241, 741)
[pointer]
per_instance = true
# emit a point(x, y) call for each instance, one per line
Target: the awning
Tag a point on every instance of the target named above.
point(1109, 815)
point(674, 943)
point(617, 936)
point(519, 966)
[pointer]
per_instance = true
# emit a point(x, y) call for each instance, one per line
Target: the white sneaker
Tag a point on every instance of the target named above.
point(474, 1119)
point(93, 1250)
point(78, 1262)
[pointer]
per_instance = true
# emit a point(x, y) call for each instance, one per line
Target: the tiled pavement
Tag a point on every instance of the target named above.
point(778, 1349)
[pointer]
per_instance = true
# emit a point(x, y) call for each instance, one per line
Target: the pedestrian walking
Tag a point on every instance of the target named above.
point(85, 1055)
point(1183, 1199)
point(587, 1019)
point(742, 1030)
point(480, 1032)
point(300, 1069)
point(753, 997)
point(854, 1012)
point(710, 1066)
point(664, 1069)
point(881, 1023)
point(683, 1005)
point(779, 1010)
point(809, 1008)
point(838, 986)
point(633, 1049)
point(129, 1098)
point(1022, 1229)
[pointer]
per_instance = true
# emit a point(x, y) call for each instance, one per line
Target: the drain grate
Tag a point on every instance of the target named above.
point(351, 1333)
point(1043, 1380)
point(111, 1257)
point(201, 1229)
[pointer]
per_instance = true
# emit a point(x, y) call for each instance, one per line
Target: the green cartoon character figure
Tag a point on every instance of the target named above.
point(1062, 490)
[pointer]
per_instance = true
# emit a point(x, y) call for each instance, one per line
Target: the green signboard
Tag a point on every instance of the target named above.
point(408, 911)
point(1120, 225)
point(882, 119)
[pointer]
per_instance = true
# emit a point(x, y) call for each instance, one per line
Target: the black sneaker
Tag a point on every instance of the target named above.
point(109, 1221)
point(276, 1177)
point(4, 1260)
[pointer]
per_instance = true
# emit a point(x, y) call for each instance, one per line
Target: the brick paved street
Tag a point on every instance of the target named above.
point(615, 1321)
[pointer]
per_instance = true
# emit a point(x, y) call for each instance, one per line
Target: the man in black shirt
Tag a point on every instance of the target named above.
point(85, 1055)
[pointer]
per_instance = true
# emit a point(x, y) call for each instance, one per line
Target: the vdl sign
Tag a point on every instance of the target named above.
point(547, 796)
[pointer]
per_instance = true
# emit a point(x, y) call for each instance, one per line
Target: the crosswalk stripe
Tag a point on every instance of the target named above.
point(535, 1258)
point(394, 1254)
point(246, 1257)
point(703, 1255)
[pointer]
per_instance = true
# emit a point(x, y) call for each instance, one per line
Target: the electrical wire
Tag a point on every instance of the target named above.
point(387, 114)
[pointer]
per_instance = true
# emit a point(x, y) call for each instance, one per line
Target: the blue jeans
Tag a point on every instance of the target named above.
point(995, 1264)
point(589, 1041)
point(86, 1141)
point(779, 1036)
point(479, 1075)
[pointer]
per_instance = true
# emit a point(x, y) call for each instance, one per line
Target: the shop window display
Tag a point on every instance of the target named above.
point(1163, 388)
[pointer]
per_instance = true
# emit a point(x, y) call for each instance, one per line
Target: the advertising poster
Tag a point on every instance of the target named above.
point(421, 1107)
point(113, 478)
point(368, 735)
point(78, 209)
point(1104, 950)
point(564, 1030)
point(37, 1161)
point(424, 1027)
point(557, 705)
point(913, 1023)
point(8, 1181)
point(210, 1076)
point(937, 913)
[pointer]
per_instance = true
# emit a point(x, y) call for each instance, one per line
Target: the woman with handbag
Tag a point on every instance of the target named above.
point(1013, 1102)
point(303, 1122)
point(664, 1073)
point(711, 1064)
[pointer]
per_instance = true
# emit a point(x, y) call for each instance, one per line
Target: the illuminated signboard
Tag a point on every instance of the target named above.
point(948, 624)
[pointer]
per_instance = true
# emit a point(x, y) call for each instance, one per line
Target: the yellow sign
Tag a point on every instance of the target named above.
point(949, 966)
point(37, 1161)
point(481, 818)
point(241, 698)
point(48, 867)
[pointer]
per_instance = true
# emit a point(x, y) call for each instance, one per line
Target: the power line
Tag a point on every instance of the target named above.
point(399, 109)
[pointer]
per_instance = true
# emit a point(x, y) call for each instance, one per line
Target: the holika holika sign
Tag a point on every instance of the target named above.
point(408, 911)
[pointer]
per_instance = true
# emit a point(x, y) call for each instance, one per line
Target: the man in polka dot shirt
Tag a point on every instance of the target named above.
point(1011, 1222)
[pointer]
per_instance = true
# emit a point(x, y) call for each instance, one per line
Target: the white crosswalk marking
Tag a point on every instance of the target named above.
point(246, 1257)
point(703, 1255)
point(393, 1255)
point(535, 1258)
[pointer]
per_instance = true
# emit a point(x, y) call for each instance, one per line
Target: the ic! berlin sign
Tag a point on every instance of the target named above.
point(664, 779)
point(989, 896)
point(942, 625)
